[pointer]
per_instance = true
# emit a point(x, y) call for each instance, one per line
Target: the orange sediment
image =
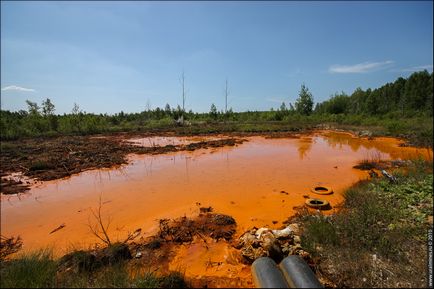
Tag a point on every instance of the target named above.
point(244, 182)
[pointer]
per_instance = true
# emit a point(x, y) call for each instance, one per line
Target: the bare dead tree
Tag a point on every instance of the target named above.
point(99, 230)
point(184, 95)
point(226, 97)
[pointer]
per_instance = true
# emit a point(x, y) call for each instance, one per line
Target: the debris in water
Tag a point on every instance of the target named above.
point(389, 176)
point(58, 228)
point(205, 209)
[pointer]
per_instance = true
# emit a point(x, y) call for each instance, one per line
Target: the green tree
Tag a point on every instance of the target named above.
point(283, 107)
point(304, 102)
point(167, 109)
point(76, 118)
point(47, 107)
point(48, 112)
point(32, 107)
point(213, 111)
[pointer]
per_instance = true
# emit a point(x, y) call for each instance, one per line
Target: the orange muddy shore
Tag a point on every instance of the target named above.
point(245, 181)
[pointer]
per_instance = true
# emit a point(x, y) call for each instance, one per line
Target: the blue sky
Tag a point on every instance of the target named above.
point(113, 56)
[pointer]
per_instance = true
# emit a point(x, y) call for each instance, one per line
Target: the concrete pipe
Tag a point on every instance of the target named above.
point(266, 274)
point(298, 274)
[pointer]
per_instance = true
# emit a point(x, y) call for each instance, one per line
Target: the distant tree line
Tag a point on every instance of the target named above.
point(404, 97)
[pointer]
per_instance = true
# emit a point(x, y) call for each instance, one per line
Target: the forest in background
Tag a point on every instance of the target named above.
point(403, 107)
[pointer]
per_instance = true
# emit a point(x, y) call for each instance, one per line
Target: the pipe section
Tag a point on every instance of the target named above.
point(298, 274)
point(266, 274)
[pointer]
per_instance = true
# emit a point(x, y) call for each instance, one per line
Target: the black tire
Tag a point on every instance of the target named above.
point(322, 190)
point(317, 203)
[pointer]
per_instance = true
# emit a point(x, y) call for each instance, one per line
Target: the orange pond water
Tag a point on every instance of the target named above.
point(244, 181)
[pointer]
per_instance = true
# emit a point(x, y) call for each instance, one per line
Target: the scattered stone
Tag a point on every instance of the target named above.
point(295, 228)
point(138, 255)
point(284, 233)
point(275, 244)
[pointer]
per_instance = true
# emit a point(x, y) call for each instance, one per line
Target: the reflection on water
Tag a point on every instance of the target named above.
point(243, 181)
point(305, 144)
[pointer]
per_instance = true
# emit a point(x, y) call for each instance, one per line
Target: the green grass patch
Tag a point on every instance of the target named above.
point(378, 238)
point(40, 270)
point(36, 270)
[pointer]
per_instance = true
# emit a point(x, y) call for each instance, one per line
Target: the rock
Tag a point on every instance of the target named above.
point(303, 254)
point(294, 249)
point(284, 233)
point(297, 239)
point(138, 255)
point(260, 231)
point(295, 228)
point(286, 248)
point(267, 239)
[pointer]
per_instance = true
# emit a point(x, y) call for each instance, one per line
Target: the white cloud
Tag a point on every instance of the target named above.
point(416, 68)
point(359, 68)
point(17, 88)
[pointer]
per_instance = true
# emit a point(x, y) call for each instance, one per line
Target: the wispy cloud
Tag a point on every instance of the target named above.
point(359, 68)
point(416, 68)
point(17, 88)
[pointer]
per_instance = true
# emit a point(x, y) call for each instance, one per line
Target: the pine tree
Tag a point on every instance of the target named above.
point(304, 102)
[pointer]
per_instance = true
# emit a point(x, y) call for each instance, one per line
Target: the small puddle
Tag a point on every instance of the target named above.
point(259, 183)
